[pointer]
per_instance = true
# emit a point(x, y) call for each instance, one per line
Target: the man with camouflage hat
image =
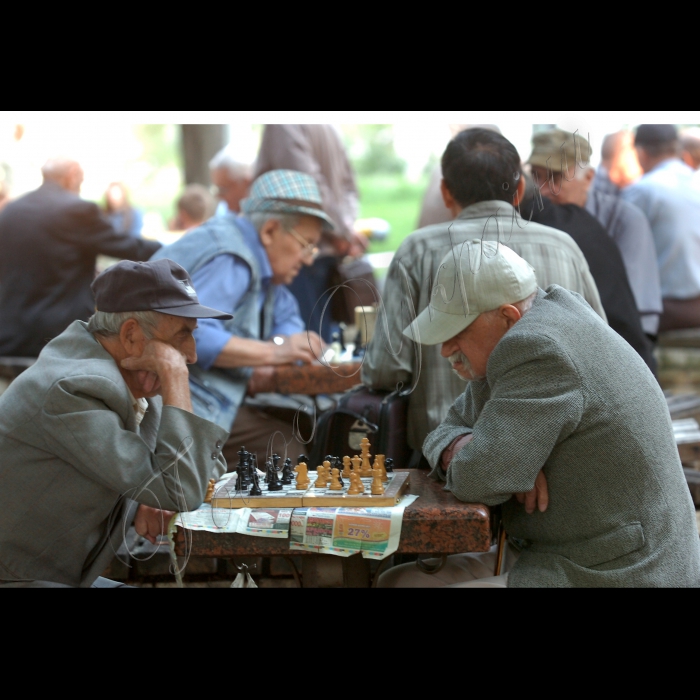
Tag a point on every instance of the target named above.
point(560, 166)
point(242, 264)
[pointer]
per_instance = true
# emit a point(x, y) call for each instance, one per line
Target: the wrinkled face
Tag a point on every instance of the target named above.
point(469, 351)
point(229, 190)
point(287, 250)
point(176, 332)
point(563, 188)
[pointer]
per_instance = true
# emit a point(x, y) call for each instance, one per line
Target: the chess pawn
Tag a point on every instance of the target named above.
point(377, 485)
point(355, 485)
point(255, 489)
point(274, 483)
point(356, 462)
point(389, 465)
point(302, 481)
point(381, 462)
point(321, 480)
point(327, 468)
point(335, 481)
point(347, 467)
point(210, 491)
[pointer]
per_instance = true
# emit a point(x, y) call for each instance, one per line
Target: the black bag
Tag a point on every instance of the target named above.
point(358, 285)
point(380, 416)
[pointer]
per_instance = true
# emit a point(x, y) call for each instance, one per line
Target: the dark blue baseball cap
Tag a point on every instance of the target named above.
point(159, 285)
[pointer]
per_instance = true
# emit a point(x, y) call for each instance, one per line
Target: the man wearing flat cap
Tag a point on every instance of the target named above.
point(241, 264)
point(670, 198)
point(560, 166)
point(563, 424)
point(100, 432)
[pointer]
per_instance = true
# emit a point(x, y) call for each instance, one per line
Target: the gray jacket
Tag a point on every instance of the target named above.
point(564, 393)
point(73, 461)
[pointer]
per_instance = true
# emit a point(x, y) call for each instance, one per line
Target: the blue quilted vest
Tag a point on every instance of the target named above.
point(218, 393)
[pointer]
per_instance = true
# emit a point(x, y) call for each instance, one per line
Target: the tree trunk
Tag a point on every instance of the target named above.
point(200, 143)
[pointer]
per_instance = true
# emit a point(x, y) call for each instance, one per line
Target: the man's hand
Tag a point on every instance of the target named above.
point(151, 522)
point(159, 366)
point(261, 381)
point(454, 447)
point(538, 497)
point(306, 347)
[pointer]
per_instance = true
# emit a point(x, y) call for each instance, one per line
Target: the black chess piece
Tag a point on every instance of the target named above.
point(287, 472)
point(255, 489)
point(242, 482)
point(337, 463)
point(276, 462)
point(389, 465)
point(273, 479)
point(302, 458)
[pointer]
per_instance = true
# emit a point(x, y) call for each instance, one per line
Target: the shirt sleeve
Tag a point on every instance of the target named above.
point(287, 317)
point(220, 284)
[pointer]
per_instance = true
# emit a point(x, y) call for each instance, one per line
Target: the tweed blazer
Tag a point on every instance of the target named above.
point(565, 394)
point(73, 462)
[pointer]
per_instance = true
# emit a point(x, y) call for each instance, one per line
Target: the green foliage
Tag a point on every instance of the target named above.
point(395, 199)
point(373, 150)
point(161, 144)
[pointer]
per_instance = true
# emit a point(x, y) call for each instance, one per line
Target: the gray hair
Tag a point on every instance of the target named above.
point(260, 218)
point(237, 170)
point(108, 325)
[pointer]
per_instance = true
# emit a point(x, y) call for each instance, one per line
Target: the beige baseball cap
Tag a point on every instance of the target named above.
point(476, 277)
point(556, 149)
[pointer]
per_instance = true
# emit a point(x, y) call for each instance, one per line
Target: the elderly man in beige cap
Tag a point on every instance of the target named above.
point(560, 165)
point(563, 424)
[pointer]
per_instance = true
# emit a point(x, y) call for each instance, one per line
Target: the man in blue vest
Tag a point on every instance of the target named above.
point(244, 262)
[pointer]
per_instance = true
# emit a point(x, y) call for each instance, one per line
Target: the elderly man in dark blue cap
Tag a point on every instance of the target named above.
point(100, 432)
point(670, 199)
point(242, 263)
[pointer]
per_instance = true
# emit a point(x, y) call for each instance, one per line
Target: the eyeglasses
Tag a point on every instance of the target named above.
point(309, 250)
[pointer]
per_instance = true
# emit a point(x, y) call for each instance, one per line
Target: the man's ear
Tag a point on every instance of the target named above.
point(510, 314)
point(449, 200)
point(267, 232)
point(131, 337)
point(520, 190)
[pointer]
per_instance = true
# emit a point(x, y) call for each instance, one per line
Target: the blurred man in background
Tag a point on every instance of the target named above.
point(690, 142)
point(619, 166)
point(670, 200)
point(317, 150)
point(50, 240)
point(230, 180)
point(560, 165)
point(194, 206)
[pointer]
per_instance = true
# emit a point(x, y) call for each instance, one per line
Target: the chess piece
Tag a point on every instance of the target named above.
point(355, 485)
point(356, 463)
point(287, 472)
point(276, 462)
point(210, 491)
point(389, 465)
point(242, 470)
point(302, 459)
point(338, 464)
point(273, 478)
point(377, 485)
point(380, 461)
point(366, 465)
point(327, 467)
point(347, 467)
point(335, 481)
point(302, 481)
point(321, 479)
point(255, 489)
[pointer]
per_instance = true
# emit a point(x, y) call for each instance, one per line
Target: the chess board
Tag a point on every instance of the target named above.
point(226, 496)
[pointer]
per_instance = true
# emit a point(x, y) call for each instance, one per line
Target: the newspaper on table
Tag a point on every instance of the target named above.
point(373, 532)
point(258, 522)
